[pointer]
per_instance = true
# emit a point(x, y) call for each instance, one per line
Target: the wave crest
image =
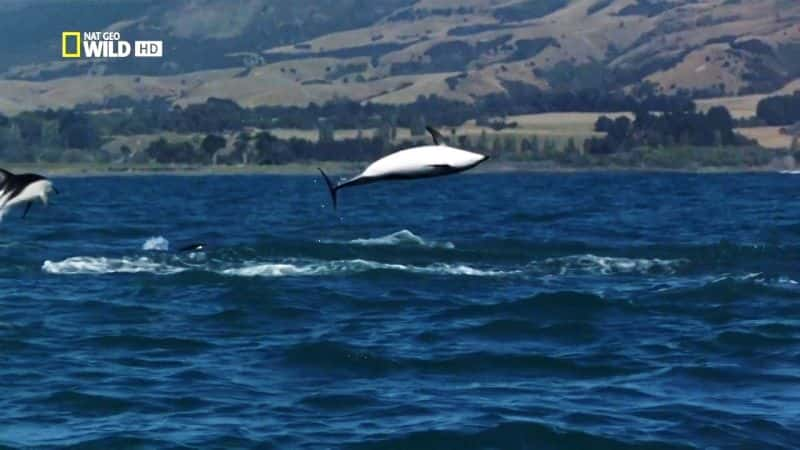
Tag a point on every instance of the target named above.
point(169, 265)
point(609, 265)
point(402, 237)
point(87, 265)
point(357, 266)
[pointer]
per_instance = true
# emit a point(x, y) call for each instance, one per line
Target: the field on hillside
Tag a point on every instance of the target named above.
point(556, 127)
point(744, 106)
point(768, 137)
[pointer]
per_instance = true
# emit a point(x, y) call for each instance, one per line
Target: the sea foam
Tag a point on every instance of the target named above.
point(87, 265)
point(356, 266)
point(574, 265)
point(157, 244)
point(607, 265)
point(402, 237)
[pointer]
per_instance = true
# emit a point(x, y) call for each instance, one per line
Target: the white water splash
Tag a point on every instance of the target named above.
point(575, 265)
point(87, 265)
point(402, 237)
point(267, 270)
point(356, 266)
point(156, 244)
point(608, 265)
point(759, 278)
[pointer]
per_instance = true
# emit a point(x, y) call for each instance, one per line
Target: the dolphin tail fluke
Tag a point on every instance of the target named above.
point(332, 188)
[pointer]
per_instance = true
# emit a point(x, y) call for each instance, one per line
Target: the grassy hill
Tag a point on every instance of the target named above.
point(391, 51)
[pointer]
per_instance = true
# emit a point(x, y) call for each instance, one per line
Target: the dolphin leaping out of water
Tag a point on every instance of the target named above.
point(417, 162)
point(24, 188)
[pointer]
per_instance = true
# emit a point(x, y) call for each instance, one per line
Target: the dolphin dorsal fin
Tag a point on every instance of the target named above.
point(438, 139)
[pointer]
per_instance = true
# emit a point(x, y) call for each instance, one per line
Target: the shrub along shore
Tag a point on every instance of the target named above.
point(219, 136)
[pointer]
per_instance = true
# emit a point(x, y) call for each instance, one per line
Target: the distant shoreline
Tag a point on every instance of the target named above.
point(62, 170)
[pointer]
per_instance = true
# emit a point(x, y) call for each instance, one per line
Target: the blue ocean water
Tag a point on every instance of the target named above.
point(555, 311)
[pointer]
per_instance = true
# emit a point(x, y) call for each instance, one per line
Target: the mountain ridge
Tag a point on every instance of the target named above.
point(392, 51)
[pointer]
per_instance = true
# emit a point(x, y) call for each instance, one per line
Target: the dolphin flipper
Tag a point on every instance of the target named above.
point(27, 208)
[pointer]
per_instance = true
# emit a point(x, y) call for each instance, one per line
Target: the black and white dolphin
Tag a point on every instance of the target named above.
point(192, 248)
point(417, 162)
point(23, 188)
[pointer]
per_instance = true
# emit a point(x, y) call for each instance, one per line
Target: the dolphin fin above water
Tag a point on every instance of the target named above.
point(437, 137)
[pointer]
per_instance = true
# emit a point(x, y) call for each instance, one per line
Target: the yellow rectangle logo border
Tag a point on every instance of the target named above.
point(64, 37)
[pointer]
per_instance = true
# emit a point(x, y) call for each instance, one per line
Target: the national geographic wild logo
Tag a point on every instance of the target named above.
point(106, 44)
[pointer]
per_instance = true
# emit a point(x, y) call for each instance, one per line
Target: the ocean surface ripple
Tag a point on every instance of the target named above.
point(558, 311)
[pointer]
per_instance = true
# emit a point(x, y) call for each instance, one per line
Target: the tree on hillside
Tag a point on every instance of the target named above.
point(393, 123)
point(680, 125)
point(242, 147)
point(483, 141)
point(535, 147)
point(780, 110)
point(51, 138)
point(271, 150)
point(77, 131)
point(596, 146)
point(418, 126)
point(171, 153)
point(126, 153)
point(511, 145)
point(384, 135)
point(211, 144)
point(622, 127)
point(213, 115)
point(604, 124)
point(497, 145)
point(550, 147)
point(571, 148)
point(720, 118)
point(721, 121)
point(326, 132)
point(264, 140)
point(12, 145)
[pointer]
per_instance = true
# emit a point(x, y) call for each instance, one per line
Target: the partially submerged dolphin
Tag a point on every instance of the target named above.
point(417, 162)
point(192, 248)
point(24, 188)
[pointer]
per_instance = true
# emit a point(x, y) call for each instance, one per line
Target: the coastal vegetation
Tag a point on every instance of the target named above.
point(780, 109)
point(639, 131)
